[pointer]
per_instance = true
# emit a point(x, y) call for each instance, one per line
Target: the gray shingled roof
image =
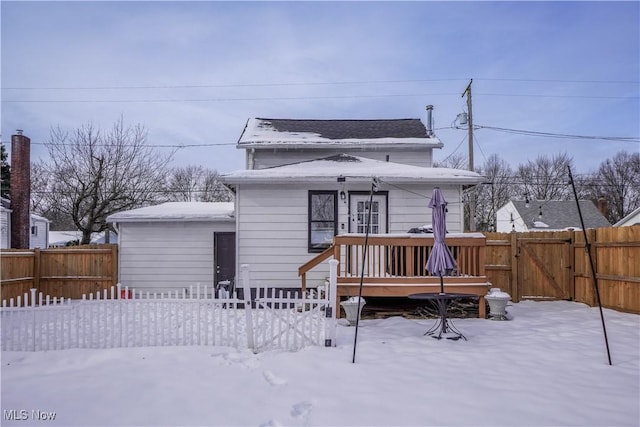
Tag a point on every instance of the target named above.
point(352, 129)
point(560, 214)
point(344, 133)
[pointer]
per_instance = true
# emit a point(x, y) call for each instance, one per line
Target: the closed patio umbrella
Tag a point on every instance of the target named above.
point(440, 260)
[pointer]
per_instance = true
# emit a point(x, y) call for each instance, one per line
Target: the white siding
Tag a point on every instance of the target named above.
point(272, 227)
point(408, 207)
point(162, 256)
point(5, 228)
point(269, 158)
point(38, 233)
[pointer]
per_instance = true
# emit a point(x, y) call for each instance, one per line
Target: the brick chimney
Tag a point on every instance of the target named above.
point(603, 206)
point(20, 190)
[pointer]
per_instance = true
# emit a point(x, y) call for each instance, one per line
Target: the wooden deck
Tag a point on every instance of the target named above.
point(395, 265)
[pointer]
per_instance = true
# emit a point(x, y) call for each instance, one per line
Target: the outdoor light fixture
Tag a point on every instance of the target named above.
point(540, 212)
point(343, 195)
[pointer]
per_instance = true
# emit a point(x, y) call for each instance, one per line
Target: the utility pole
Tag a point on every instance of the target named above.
point(472, 198)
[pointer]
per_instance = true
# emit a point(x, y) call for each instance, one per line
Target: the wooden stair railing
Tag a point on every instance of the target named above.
point(302, 270)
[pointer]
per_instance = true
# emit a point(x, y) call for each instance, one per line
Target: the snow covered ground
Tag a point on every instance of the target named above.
point(546, 367)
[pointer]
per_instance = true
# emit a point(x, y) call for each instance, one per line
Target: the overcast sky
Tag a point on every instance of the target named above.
point(193, 72)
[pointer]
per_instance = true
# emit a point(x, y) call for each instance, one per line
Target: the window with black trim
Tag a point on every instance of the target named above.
point(323, 219)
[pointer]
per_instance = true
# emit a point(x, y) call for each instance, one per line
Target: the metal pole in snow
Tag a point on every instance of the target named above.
point(587, 247)
point(374, 185)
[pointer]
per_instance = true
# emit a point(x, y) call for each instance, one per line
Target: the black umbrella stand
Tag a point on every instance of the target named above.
point(374, 188)
point(587, 247)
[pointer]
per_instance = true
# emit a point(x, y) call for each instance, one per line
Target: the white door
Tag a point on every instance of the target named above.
point(359, 216)
point(359, 212)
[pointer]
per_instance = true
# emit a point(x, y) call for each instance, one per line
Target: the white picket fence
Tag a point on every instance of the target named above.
point(271, 319)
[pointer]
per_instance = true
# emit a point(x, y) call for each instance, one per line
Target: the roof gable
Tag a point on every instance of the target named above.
point(272, 132)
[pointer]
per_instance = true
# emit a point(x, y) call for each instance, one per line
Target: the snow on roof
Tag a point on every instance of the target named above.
point(38, 218)
point(174, 211)
point(354, 168)
point(346, 133)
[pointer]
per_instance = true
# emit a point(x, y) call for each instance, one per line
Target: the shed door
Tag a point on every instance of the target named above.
point(224, 256)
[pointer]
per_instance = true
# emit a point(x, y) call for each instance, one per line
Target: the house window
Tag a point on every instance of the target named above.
point(34, 230)
point(323, 219)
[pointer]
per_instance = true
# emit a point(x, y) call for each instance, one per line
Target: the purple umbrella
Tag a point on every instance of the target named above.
point(440, 260)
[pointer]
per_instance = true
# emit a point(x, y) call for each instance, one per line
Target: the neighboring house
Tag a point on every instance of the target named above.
point(63, 238)
point(5, 227)
point(308, 180)
point(175, 245)
point(39, 234)
point(38, 228)
point(550, 215)
point(632, 219)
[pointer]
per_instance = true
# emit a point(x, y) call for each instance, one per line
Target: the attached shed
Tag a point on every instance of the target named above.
point(175, 245)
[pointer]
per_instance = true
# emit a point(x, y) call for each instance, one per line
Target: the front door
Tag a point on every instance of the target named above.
point(224, 256)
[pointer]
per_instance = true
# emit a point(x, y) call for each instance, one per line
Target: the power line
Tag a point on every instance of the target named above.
point(329, 83)
point(213, 144)
point(561, 135)
point(296, 98)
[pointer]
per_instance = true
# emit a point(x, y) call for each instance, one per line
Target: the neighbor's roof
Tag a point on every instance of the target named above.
point(345, 133)
point(173, 211)
point(352, 168)
point(632, 219)
point(560, 214)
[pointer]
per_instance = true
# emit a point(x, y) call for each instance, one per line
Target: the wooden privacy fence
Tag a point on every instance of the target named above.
point(111, 319)
point(555, 265)
point(60, 272)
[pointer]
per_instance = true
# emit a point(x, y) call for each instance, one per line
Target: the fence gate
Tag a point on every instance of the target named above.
point(544, 271)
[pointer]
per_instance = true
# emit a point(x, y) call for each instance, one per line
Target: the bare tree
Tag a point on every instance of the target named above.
point(94, 174)
point(497, 190)
point(213, 188)
point(546, 178)
point(454, 161)
point(182, 184)
point(619, 184)
point(195, 183)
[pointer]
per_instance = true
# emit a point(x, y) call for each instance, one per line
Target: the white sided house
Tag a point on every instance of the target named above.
point(176, 245)
point(38, 228)
point(309, 180)
point(632, 219)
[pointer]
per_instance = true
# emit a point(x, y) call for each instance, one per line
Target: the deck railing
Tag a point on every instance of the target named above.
point(399, 258)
